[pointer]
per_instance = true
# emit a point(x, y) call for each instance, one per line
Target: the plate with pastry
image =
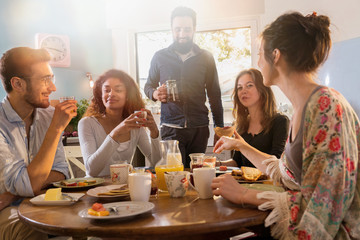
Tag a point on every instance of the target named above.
point(110, 191)
point(249, 175)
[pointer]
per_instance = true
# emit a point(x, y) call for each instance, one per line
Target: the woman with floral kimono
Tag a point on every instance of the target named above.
point(320, 167)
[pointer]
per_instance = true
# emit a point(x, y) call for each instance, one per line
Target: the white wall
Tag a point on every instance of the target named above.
point(134, 13)
point(344, 15)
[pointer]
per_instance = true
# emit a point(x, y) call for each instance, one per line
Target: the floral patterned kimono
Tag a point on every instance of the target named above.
point(326, 205)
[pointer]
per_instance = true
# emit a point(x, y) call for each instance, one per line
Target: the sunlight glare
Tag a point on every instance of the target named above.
point(327, 80)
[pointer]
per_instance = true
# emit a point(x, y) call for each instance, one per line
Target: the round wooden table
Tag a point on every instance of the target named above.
point(172, 218)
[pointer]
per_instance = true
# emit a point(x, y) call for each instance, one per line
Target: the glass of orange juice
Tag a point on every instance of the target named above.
point(161, 169)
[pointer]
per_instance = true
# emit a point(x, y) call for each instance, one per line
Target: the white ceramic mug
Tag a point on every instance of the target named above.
point(202, 180)
point(176, 183)
point(140, 186)
point(119, 172)
point(142, 115)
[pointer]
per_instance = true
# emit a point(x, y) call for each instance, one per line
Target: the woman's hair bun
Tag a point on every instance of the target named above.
point(304, 41)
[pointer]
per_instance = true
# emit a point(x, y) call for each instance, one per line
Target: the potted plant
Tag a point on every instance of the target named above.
point(71, 129)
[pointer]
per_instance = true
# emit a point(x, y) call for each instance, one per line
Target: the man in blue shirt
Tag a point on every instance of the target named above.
point(194, 70)
point(31, 152)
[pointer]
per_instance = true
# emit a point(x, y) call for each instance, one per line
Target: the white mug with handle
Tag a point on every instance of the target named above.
point(119, 172)
point(202, 180)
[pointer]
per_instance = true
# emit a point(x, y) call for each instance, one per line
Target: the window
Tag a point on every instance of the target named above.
point(230, 47)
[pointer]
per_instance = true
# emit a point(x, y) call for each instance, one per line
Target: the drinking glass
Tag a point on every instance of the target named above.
point(63, 99)
point(209, 161)
point(196, 162)
point(172, 91)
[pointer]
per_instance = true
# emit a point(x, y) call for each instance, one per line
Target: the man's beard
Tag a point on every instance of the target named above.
point(183, 47)
point(30, 99)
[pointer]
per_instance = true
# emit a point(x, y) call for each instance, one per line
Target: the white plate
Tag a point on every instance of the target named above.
point(125, 209)
point(229, 170)
point(71, 180)
point(39, 200)
point(94, 191)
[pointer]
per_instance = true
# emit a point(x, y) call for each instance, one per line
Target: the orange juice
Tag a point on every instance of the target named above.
point(161, 169)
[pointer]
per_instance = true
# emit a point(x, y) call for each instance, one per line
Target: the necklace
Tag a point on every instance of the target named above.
point(31, 112)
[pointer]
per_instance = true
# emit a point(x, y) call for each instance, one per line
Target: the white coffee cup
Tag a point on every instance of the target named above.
point(119, 172)
point(142, 115)
point(140, 186)
point(202, 180)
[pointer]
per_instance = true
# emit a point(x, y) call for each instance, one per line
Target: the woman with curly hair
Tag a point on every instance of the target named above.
point(320, 168)
point(110, 130)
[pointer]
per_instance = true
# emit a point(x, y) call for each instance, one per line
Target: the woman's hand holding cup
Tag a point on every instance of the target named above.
point(147, 120)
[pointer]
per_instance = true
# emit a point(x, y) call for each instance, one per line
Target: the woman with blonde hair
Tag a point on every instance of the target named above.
point(110, 130)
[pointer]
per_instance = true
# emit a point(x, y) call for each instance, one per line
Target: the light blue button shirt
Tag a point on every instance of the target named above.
point(16, 154)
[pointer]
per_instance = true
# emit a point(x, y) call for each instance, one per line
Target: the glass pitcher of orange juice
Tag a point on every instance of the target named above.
point(171, 160)
point(161, 169)
point(173, 157)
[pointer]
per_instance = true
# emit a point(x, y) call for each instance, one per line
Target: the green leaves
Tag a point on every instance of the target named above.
point(82, 105)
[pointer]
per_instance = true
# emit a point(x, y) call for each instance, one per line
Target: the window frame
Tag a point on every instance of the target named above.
point(127, 37)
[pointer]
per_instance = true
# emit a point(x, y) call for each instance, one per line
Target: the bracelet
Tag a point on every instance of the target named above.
point(243, 194)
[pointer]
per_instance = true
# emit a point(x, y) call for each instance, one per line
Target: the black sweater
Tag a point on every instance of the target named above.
point(272, 142)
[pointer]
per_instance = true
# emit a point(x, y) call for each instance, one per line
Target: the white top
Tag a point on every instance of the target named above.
point(99, 150)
